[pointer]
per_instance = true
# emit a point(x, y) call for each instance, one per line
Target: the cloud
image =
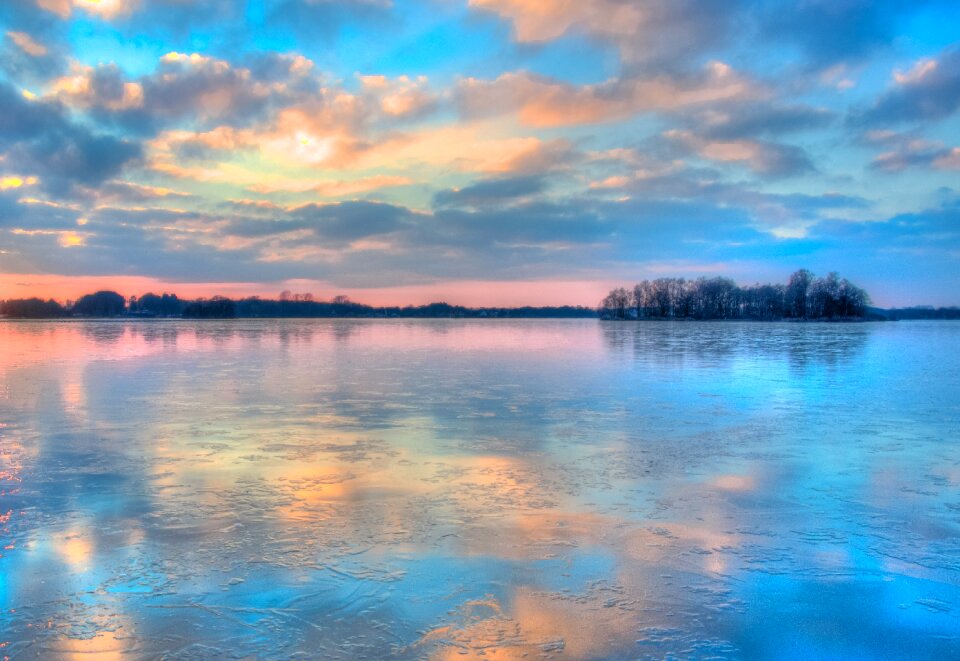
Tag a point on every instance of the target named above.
point(545, 102)
point(925, 241)
point(201, 87)
point(27, 44)
point(102, 87)
point(907, 151)
point(342, 188)
point(162, 19)
point(401, 97)
point(784, 215)
point(766, 158)
point(464, 147)
point(336, 223)
point(349, 221)
point(42, 139)
point(536, 226)
point(491, 191)
point(318, 240)
point(73, 155)
point(62, 8)
point(658, 31)
point(502, 221)
point(105, 9)
point(929, 91)
point(19, 212)
point(187, 89)
point(305, 185)
point(206, 146)
point(543, 21)
point(749, 120)
point(740, 132)
point(114, 192)
point(32, 54)
point(325, 127)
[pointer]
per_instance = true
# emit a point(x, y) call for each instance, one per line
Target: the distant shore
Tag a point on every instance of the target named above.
point(803, 298)
point(920, 313)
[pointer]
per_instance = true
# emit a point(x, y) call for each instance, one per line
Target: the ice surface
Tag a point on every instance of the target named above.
point(479, 489)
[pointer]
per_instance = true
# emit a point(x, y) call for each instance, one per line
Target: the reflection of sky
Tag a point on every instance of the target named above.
point(432, 488)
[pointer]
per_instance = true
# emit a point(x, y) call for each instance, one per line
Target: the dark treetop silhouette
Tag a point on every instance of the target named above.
point(803, 297)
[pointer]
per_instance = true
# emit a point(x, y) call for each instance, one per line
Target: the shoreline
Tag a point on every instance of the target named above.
point(121, 319)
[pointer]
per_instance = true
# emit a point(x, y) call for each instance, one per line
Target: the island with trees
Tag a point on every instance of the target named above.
point(803, 297)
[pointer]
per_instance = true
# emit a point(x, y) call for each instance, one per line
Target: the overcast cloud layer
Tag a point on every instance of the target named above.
point(373, 144)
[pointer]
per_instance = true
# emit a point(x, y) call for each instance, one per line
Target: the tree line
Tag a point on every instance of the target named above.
point(921, 312)
point(804, 296)
point(112, 304)
point(100, 304)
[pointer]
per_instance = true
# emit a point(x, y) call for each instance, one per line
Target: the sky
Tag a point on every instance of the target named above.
point(481, 152)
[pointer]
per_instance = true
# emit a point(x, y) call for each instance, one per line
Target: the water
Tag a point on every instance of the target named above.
point(500, 489)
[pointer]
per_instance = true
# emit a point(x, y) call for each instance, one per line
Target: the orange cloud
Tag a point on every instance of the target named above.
point(544, 102)
point(26, 43)
point(61, 8)
point(365, 185)
point(126, 190)
point(163, 156)
point(468, 147)
point(760, 156)
point(664, 30)
point(300, 138)
point(543, 20)
point(104, 8)
point(718, 150)
point(326, 132)
point(78, 89)
point(399, 97)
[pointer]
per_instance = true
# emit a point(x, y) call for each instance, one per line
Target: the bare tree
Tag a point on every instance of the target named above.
point(797, 288)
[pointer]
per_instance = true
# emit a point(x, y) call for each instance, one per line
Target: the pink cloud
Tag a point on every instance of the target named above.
point(544, 102)
point(27, 44)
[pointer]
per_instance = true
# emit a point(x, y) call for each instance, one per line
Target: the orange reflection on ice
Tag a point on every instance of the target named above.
point(735, 482)
point(104, 646)
point(312, 486)
point(531, 626)
point(75, 548)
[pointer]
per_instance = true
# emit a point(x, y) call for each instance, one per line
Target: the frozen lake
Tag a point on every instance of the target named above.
point(501, 489)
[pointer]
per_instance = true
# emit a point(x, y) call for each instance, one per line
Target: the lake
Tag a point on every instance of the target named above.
point(450, 489)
